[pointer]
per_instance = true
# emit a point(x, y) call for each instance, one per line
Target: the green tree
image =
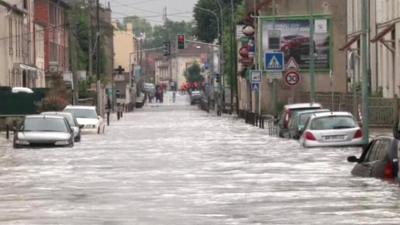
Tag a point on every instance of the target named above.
point(140, 25)
point(168, 32)
point(193, 74)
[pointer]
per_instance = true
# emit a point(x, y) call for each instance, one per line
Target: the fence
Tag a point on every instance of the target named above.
point(381, 110)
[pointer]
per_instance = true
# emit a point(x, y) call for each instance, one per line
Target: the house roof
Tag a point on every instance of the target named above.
point(14, 8)
point(193, 49)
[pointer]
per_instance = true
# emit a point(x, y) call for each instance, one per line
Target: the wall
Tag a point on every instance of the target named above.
point(336, 9)
point(123, 48)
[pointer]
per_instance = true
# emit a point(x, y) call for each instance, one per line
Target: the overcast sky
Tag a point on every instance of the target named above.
point(152, 10)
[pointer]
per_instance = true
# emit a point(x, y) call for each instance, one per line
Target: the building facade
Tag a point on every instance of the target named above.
point(52, 15)
point(291, 21)
point(383, 36)
point(17, 64)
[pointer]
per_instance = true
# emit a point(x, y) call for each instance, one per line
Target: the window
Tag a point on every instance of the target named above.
point(10, 40)
point(333, 122)
point(53, 52)
point(378, 151)
point(53, 14)
point(25, 4)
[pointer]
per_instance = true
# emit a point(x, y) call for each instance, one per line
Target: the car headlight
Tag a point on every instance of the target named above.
point(21, 142)
point(61, 143)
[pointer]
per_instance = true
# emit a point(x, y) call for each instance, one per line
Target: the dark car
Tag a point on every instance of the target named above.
point(195, 97)
point(287, 113)
point(379, 159)
point(44, 131)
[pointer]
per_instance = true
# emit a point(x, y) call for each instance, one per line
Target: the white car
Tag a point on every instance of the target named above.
point(87, 116)
point(331, 129)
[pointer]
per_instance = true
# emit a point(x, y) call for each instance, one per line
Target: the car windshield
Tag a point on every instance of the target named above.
point(333, 122)
point(304, 117)
point(82, 113)
point(45, 124)
point(67, 116)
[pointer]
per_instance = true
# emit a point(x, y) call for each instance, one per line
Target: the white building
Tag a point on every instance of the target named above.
point(17, 55)
point(383, 41)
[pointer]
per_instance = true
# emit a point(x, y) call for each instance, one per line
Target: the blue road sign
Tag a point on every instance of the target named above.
point(274, 61)
point(255, 86)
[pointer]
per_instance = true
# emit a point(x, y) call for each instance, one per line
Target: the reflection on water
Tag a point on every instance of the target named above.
point(166, 166)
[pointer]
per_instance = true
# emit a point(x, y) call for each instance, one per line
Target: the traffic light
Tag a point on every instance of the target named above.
point(217, 77)
point(181, 41)
point(167, 48)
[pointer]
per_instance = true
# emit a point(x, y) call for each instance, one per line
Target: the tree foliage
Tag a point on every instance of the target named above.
point(168, 32)
point(140, 25)
point(206, 26)
point(193, 75)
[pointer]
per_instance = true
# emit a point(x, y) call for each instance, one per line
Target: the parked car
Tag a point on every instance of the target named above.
point(331, 129)
point(288, 111)
point(87, 116)
point(43, 130)
point(379, 159)
point(299, 119)
point(73, 123)
point(195, 97)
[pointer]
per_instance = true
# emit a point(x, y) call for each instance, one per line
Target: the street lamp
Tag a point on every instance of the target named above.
point(220, 50)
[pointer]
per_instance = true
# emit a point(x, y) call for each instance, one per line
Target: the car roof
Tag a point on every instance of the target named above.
point(302, 105)
point(324, 114)
point(307, 111)
point(56, 113)
point(80, 107)
point(43, 117)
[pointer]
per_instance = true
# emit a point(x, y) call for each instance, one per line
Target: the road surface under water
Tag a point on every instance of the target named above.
point(175, 165)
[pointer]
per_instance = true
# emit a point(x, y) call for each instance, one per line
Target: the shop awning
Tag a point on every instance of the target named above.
point(382, 34)
point(26, 67)
point(350, 42)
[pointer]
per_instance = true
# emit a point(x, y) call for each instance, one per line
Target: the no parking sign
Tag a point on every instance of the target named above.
point(292, 78)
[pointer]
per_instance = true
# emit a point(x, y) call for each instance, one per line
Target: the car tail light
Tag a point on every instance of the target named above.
point(309, 136)
point(286, 120)
point(388, 172)
point(358, 134)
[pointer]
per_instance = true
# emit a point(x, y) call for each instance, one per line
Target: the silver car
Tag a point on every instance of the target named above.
point(44, 131)
point(331, 129)
point(73, 123)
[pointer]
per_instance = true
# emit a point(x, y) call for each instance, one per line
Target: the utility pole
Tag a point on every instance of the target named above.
point(365, 69)
point(98, 88)
point(312, 50)
point(234, 81)
point(90, 36)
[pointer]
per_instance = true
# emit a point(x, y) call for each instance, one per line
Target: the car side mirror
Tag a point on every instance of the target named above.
point(352, 159)
point(75, 130)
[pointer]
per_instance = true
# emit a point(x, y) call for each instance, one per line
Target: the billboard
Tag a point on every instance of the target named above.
point(295, 40)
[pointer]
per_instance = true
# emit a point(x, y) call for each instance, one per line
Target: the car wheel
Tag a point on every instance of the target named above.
point(78, 138)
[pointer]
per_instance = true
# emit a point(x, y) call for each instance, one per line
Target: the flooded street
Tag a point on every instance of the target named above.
point(176, 165)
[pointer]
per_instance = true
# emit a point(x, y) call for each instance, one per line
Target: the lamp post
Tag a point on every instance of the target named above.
point(220, 50)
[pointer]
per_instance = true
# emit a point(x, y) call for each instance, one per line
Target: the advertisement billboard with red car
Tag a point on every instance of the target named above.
point(295, 40)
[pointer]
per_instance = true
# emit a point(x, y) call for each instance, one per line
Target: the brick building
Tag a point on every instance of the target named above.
point(52, 15)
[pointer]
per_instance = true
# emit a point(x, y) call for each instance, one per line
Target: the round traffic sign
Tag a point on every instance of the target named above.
point(292, 78)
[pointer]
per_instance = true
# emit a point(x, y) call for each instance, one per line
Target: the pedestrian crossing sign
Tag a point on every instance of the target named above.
point(274, 61)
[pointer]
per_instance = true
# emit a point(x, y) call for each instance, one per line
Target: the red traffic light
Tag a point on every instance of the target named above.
point(181, 41)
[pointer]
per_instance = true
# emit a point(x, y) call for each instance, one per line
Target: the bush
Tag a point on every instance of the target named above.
point(53, 103)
